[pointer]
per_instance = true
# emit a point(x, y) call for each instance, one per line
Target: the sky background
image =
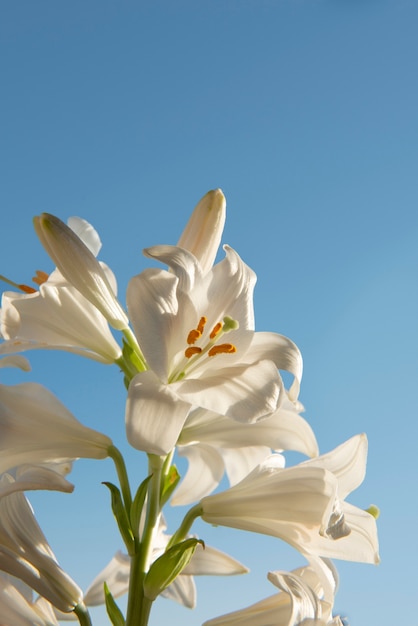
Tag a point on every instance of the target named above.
point(305, 113)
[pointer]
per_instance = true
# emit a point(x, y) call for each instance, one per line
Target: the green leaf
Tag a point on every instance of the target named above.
point(138, 503)
point(170, 483)
point(121, 516)
point(168, 566)
point(113, 611)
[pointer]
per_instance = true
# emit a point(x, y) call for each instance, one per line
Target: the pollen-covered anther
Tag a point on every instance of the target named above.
point(193, 336)
point(201, 325)
point(27, 289)
point(223, 348)
point(216, 330)
point(40, 277)
point(191, 351)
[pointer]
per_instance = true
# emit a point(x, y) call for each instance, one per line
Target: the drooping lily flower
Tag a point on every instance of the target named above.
point(196, 333)
point(25, 553)
point(303, 504)
point(214, 443)
point(18, 608)
point(35, 427)
point(303, 599)
point(204, 562)
point(79, 266)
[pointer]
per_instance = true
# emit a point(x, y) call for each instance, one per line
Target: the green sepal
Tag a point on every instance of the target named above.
point(113, 611)
point(121, 516)
point(131, 357)
point(168, 566)
point(138, 503)
point(171, 480)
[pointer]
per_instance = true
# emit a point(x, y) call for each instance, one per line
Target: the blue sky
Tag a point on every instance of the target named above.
point(305, 113)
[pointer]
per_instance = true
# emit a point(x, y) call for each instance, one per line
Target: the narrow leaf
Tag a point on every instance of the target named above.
point(113, 611)
point(170, 483)
point(138, 503)
point(121, 516)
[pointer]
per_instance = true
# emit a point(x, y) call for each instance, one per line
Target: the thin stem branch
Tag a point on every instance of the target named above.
point(83, 614)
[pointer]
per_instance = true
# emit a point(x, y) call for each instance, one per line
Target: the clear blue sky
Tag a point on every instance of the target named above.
point(305, 112)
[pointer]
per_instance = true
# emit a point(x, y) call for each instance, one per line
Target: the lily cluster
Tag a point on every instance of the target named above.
point(201, 383)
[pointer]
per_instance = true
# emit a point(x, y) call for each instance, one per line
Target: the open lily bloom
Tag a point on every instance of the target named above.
point(58, 316)
point(25, 553)
point(35, 427)
point(196, 333)
point(302, 600)
point(213, 443)
point(205, 562)
point(302, 504)
point(18, 608)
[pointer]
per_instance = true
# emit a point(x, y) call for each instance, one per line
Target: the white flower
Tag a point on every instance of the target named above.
point(35, 427)
point(25, 553)
point(204, 562)
point(59, 317)
point(18, 608)
point(302, 504)
point(213, 443)
point(306, 597)
point(78, 264)
point(196, 333)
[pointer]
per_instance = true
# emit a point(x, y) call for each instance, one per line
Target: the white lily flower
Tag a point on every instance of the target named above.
point(56, 317)
point(213, 443)
point(18, 608)
point(205, 562)
point(78, 264)
point(303, 599)
point(302, 505)
point(196, 333)
point(35, 427)
point(25, 553)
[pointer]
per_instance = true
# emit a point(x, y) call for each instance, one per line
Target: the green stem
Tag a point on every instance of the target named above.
point(182, 531)
point(139, 606)
point(119, 462)
point(83, 614)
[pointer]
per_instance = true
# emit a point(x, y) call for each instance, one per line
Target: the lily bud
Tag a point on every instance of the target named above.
point(80, 267)
point(203, 231)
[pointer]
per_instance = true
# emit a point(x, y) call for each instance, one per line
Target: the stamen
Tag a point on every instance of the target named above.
point(40, 278)
point(201, 325)
point(223, 348)
point(193, 336)
point(191, 351)
point(216, 330)
point(24, 288)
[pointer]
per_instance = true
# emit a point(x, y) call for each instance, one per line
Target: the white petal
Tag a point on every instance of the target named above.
point(245, 393)
point(347, 462)
point(33, 477)
point(15, 361)
point(184, 265)
point(154, 415)
point(203, 231)
point(239, 462)
point(87, 233)
point(203, 475)
point(35, 427)
point(115, 575)
point(207, 561)
point(283, 352)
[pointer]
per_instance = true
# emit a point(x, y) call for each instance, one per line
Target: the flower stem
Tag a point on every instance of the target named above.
point(139, 606)
point(83, 614)
point(119, 462)
point(181, 533)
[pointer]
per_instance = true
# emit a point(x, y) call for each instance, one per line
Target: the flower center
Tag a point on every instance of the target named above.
point(211, 348)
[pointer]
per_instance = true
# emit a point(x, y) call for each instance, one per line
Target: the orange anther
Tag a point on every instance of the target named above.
point(201, 324)
point(193, 336)
point(27, 289)
point(191, 351)
point(215, 330)
point(223, 348)
point(40, 278)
